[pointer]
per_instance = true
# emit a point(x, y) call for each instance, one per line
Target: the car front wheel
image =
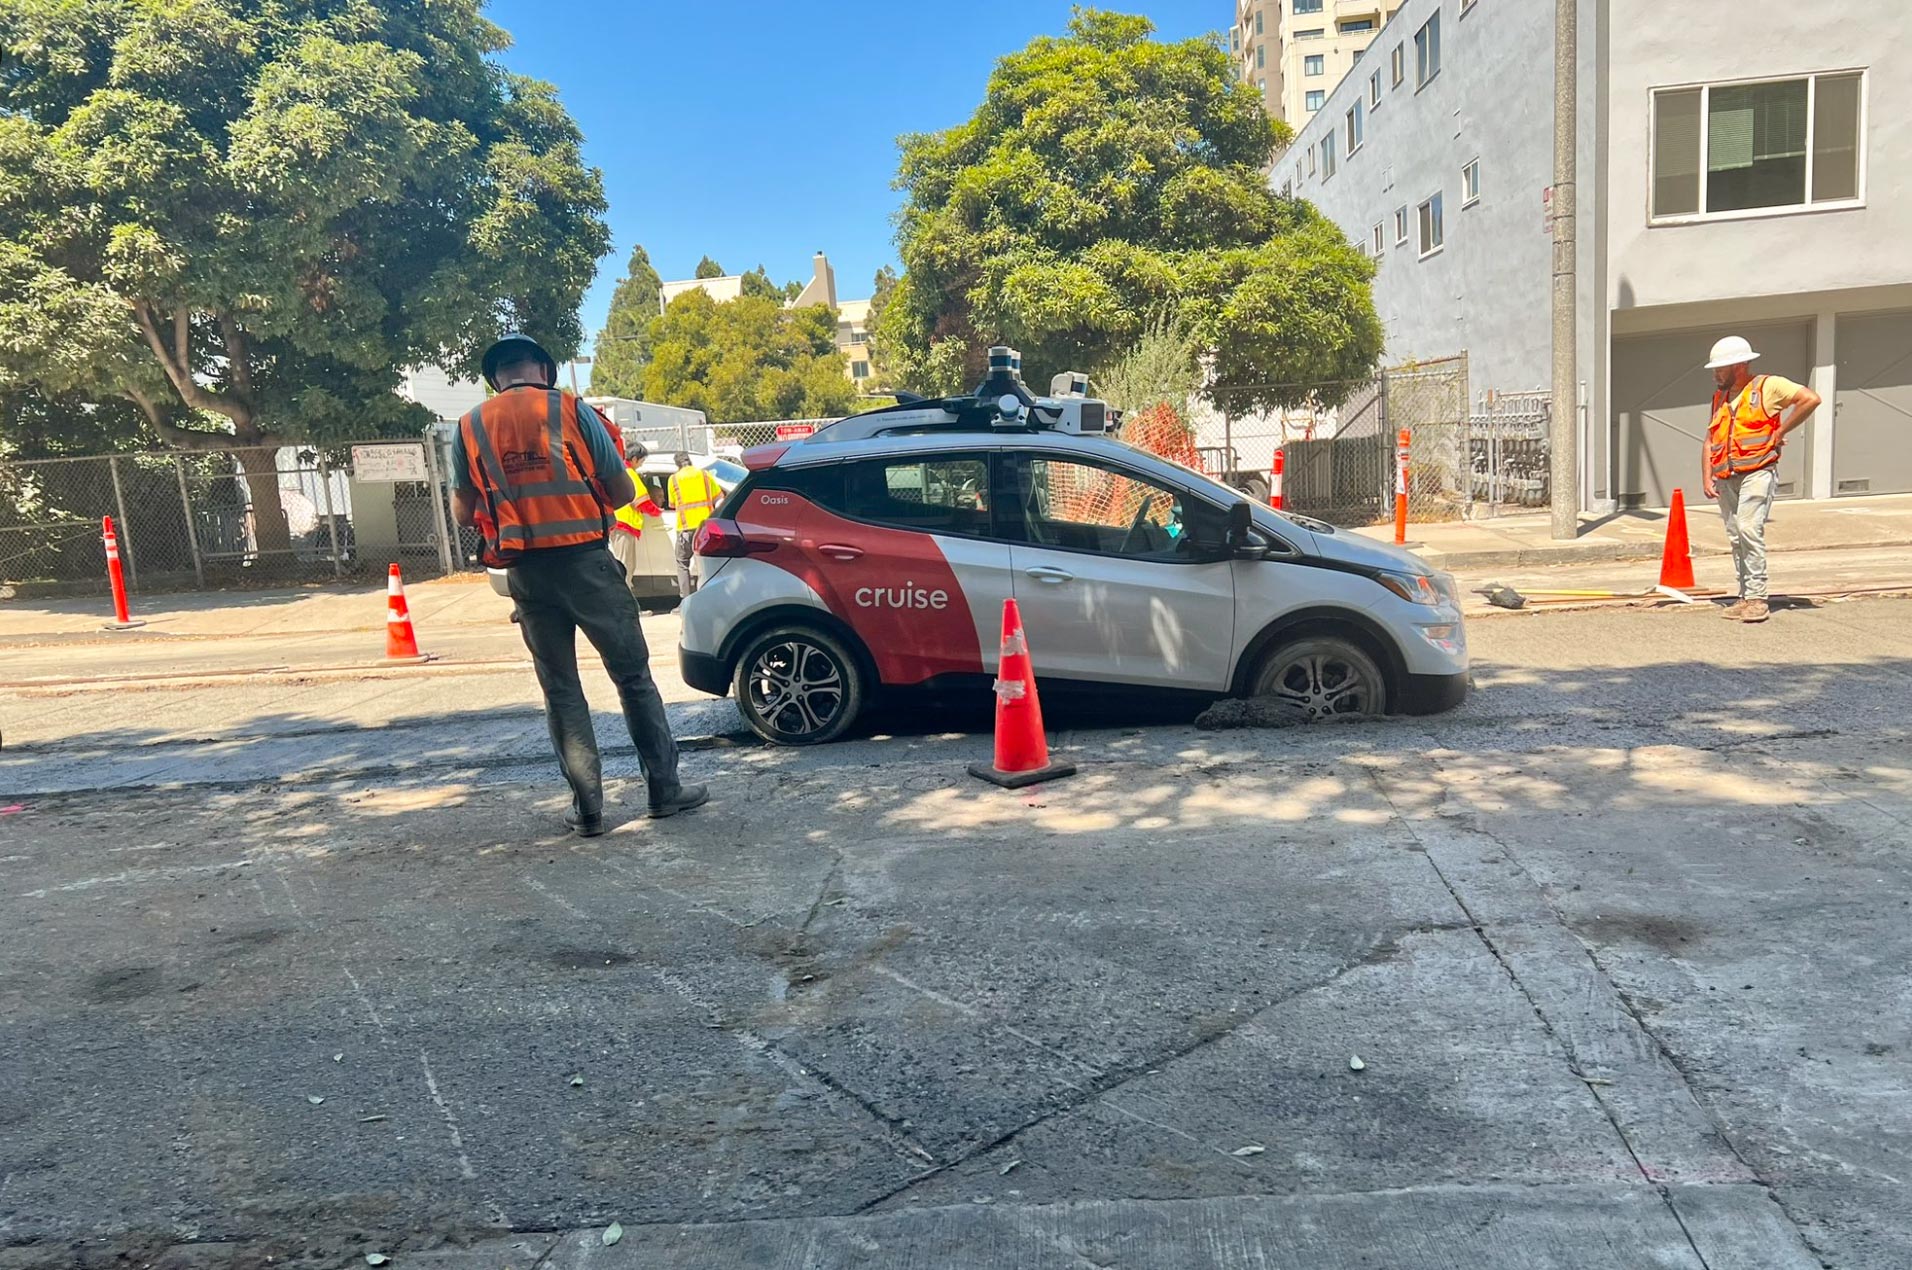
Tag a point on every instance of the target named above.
point(798, 686)
point(1321, 676)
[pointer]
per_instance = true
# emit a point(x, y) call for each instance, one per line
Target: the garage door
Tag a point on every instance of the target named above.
point(1872, 445)
point(1663, 396)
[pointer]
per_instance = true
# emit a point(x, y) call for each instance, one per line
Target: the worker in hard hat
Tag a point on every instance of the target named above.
point(1752, 416)
point(695, 495)
point(535, 469)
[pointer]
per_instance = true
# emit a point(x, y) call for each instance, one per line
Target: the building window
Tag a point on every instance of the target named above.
point(859, 370)
point(1400, 226)
point(1427, 51)
point(1288, 189)
point(1470, 184)
point(1399, 60)
point(1307, 6)
point(1432, 234)
point(1358, 25)
point(1311, 156)
point(1374, 90)
point(1327, 156)
point(1735, 149)
point(1380, 237)
point(1357, 126)
point(1315, 97)
point(1258, 30)
point(1261, 86)
point(1261, 56)
point(1465, 6)
point(1314, 64)
point(1312, 33)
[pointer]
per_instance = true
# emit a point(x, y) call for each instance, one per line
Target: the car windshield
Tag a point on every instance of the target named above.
point(726, 472)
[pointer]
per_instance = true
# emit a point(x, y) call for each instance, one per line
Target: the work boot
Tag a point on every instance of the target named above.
point(1735, 611)
point(584, 826)
point(1756, 611)
point(686, 797)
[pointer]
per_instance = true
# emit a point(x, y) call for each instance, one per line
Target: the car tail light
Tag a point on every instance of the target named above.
point(759, 457)
point(720, 539)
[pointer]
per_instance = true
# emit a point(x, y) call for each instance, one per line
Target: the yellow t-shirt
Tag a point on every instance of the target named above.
point(1780, 392)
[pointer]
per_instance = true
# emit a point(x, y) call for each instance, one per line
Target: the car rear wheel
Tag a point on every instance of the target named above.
point(1320, 676)
point(796, 685)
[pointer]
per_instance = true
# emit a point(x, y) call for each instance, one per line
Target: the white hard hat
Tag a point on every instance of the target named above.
point(1730, 352)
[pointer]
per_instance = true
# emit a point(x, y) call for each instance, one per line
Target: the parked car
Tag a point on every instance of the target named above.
point(875, 556)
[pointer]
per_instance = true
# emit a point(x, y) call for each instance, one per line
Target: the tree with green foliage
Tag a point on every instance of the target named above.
point(747, 359)
point(757, 282)
point(708, 268)
point(248, 219)
point(1106, 178)
point(882, 287)
point(623, 347)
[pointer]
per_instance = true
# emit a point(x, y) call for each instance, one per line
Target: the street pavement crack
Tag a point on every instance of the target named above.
point(1547, 1025)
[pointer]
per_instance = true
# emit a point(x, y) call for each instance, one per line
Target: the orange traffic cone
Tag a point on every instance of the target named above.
point(400, 643)
point(1022, 751)
point(1676, 562)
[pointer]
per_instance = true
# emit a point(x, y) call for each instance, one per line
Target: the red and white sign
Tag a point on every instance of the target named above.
point(794, 431)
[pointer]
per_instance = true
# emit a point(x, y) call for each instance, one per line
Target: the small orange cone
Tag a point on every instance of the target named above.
point(1022, 751)
point(1676, 562)
point(400, 643)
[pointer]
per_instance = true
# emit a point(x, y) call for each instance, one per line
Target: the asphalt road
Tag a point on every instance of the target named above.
point(297, 967)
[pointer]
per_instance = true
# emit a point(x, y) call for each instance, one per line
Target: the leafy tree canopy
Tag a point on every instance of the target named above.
point(748, 359)
point(757, 282)
point(252, 217)
point(708, 268)
point(623, 347)
point(1108, 178)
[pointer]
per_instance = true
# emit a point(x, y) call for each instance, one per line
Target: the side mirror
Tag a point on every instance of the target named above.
point(1241, 518)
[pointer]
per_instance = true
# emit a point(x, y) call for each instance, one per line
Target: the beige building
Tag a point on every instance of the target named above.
point(853, 316)
point(1296, 51)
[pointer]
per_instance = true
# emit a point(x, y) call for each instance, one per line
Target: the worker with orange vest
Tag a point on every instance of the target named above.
point(694, 495)
point(1741, 457)
point(536, 471)
point(628, 530)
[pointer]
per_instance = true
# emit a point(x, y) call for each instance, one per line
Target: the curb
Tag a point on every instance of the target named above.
point(1610, 552)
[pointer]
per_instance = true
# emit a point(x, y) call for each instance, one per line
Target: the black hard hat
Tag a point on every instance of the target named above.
point(513, 347)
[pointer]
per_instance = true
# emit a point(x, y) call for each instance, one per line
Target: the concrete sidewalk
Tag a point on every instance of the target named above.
point(1526, 541)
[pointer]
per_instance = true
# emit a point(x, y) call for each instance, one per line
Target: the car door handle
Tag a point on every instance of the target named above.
point(1049, 573)
point(841, 551)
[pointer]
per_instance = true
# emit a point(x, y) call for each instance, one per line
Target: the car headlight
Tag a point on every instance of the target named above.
point(1415, 588)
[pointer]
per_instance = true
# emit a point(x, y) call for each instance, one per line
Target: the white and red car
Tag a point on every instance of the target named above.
point(875, 556)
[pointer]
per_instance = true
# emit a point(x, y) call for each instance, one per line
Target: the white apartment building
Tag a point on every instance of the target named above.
point(853, 316)
point(1296, 51)
point(1717, 195)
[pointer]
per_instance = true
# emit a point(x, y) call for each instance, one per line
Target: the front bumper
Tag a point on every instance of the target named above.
point(703, 672)
point(1431, 694)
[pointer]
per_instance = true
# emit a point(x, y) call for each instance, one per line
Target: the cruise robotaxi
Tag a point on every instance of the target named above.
point(873, 557)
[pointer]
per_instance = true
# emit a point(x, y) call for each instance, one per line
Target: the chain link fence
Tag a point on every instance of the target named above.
point(245, 516)
point(1509, 437)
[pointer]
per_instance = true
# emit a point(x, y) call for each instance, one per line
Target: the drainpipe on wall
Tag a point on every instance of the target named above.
point(1564, 466)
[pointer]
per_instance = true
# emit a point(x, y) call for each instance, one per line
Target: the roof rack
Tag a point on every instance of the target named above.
point(1001, 403)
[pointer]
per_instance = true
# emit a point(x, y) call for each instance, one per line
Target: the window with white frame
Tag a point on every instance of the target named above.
point(1261, 56)
point(1400, 225)
point(1314, 98)
point(1314, 64)
point(1374, 90)
point(1470, 184)
point(1756, 148)
point(1311, 156)
point(1327, 156)
point(1288, 189)
point(1466, 5)
point(1312, 33)
point(1399, 61)
point(1357, 126)
point(1357, 26)
point(1307, 6)
point(1427, 51)
point(1380, 237)
point(1433, 235)
point(1258, 27)
point(1261, 86)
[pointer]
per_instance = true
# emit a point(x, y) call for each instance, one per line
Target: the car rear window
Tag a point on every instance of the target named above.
point(934, 493)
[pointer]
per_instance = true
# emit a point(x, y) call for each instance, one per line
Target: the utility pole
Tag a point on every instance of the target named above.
point(1564, 440)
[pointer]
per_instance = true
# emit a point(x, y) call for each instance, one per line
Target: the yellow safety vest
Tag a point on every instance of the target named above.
point(695, 494)
point(630, 520)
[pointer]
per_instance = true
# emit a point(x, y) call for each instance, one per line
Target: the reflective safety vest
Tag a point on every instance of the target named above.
point(630, 517)
point(695, 494)
point(1744, 436)
point(532, 469)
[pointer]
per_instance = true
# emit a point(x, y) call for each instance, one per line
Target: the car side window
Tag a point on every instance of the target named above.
point(1079, 506)
point(932, 493)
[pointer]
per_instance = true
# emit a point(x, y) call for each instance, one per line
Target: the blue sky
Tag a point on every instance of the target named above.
point(761, 131)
